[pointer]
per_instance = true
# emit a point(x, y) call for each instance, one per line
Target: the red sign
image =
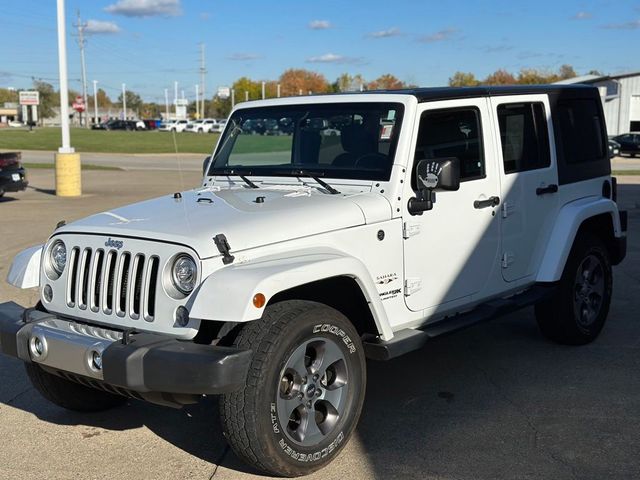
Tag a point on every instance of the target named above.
point(78, 105)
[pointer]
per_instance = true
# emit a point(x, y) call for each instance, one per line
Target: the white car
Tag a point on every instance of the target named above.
point(174, 126)
point(218, 127)
point(15, 123)
point(273, 280)
point(201, 126)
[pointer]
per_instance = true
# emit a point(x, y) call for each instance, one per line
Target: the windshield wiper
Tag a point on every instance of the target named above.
point(327, 187)
point(243, 177)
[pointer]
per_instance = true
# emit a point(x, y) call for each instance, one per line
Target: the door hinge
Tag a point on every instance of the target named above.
point(507, 259)
point(507, 208)
point(412, 285)
point(410, 229)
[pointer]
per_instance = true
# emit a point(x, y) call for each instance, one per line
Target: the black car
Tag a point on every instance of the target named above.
point(614, 148)
point(116, 125)
point(13, 177)
point(629, 143)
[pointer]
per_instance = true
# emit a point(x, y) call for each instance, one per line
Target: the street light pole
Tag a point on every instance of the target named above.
point(67, 162)
point(124, 101)
point(95, 102)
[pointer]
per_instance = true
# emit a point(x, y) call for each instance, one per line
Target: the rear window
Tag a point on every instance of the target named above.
point(524, 137)
point(581, 130)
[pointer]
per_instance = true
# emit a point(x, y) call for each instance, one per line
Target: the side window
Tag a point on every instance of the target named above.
point(581, 130)
point(453, 133)
point(524, 137)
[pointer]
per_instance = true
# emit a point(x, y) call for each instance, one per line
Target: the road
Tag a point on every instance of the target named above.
point(496, 401)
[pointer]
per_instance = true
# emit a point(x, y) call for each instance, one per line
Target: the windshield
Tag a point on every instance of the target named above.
point(350, 141)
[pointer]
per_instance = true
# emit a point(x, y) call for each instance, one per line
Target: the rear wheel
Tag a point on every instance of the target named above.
point(70, 395)
point(576, 313)
point(304, 390)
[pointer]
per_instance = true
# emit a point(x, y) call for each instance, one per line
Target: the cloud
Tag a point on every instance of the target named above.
point(440, 36)
point(633, 25)
point(145, 8)
point(391, 32)
point(97, 27)
point(582, 16)
point(497, 48)
point(240, 56)
point(320, 24)
point(333, 58)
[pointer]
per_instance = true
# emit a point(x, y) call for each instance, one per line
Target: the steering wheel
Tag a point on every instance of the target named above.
point(371, 158)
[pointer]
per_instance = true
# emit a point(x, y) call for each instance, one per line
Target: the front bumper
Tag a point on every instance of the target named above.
point(153, 367)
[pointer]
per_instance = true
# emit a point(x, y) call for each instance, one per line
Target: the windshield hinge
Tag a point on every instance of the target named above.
point(223, 247)
point(410, 229)
point(412, 285)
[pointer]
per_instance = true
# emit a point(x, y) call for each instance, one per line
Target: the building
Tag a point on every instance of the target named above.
point(8, 112)
point(620, 96)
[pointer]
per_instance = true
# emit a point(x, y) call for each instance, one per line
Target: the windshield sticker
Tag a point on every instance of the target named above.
point(391, 114)
point(386, 132)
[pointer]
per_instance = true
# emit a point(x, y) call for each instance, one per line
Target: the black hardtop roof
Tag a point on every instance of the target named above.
point(451, 93)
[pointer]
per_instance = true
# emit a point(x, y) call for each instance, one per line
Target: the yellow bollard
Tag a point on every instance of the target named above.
point(68, 175)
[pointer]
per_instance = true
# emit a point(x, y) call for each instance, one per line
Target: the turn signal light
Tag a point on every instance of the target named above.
point(259, 300)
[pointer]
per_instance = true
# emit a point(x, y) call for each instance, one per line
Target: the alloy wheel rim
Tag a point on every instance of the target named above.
point(589, 290)
point(312, 391)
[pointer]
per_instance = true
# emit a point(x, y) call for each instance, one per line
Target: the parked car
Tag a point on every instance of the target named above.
point(175, 126)
point(201, 126)
point(218, 127)
point(629, 143)
point(15, 124)
point(13, 177)
point(434, 209)
point(614, 148)
point(151, 124)
point(114, 124)
point(166, 125)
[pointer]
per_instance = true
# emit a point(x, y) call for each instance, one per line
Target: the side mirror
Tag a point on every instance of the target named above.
point(205, 164)
point(432, 175)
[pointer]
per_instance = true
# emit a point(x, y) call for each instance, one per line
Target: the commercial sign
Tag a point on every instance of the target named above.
point(78, 104)
point(224, 92)
point(181, 102)
point(29, 98)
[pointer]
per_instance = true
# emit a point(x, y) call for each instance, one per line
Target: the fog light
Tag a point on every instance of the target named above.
point(47, 293)
point(182, 316)
point(96, 360)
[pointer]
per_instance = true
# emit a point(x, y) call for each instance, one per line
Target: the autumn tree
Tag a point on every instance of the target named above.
point(103, 99)
point(385, 82)
point(8, 96)
point(245, 84)
point(293, 81)
point(348, 83)
point(500, 77)
point(134, 101)
point(463, 79)
point(566, 72)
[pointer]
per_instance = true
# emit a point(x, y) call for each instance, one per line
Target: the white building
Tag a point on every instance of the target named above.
point(620, 96)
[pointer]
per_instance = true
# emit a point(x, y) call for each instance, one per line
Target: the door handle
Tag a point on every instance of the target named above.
point(489, 202)
point(553, 188)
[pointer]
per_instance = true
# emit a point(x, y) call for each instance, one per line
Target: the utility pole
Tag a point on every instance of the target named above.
point(246, 95)
point(166, 103)
point(203, 71)
point(81, 43)
point(95, 100)
point(124, 101)
point(263, 92)
point(197, 103)
point(68, 171)
point(278, 91)
point(233, 98)
point(175, 96)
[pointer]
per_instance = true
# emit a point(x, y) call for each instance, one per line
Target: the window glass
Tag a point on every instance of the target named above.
point(581, 131)
point(524, 137)
point(453, 133)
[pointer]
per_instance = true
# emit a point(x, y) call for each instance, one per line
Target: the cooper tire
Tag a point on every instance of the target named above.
point(304, 390)
point(70, 395)
point(576, 313)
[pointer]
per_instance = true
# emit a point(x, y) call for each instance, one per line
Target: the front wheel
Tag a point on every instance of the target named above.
point(304, 390)
point(576, 313)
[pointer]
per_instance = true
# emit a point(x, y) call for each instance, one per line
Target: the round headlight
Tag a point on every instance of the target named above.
point(58, 256)
point(184, 274)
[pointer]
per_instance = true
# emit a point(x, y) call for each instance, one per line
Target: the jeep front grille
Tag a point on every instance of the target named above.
point(117, 283)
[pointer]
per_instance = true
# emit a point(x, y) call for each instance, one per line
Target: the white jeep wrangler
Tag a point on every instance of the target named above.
point(303, 253)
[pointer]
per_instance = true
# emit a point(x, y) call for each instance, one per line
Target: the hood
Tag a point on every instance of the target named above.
point(245, 219)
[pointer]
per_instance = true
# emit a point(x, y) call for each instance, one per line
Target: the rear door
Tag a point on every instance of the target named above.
point(529, 181)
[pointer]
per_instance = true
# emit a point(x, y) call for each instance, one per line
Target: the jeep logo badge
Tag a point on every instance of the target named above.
point(117, 244)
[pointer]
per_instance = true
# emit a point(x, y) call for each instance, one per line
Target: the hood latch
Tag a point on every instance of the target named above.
point(223, 247)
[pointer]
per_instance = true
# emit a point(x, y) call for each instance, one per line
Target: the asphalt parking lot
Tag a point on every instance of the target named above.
point(496, 401)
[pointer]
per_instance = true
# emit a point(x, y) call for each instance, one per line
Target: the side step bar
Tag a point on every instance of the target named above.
point(409, 339)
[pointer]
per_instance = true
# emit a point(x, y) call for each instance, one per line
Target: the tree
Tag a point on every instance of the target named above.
point(293, 81)
point(348, 83)
point(500, 77)
point(566, 72)
point(8, 96)
point(134, 101)
point(103, 99)
point(49, 99)
point(245, 84)
point(385, 82)
point(463, 79)
point(531, 76)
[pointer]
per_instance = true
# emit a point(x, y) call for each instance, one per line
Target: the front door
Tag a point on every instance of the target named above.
point(451, 250)
point(529, 180)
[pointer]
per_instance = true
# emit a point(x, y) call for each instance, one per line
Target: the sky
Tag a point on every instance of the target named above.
point(149, 44)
